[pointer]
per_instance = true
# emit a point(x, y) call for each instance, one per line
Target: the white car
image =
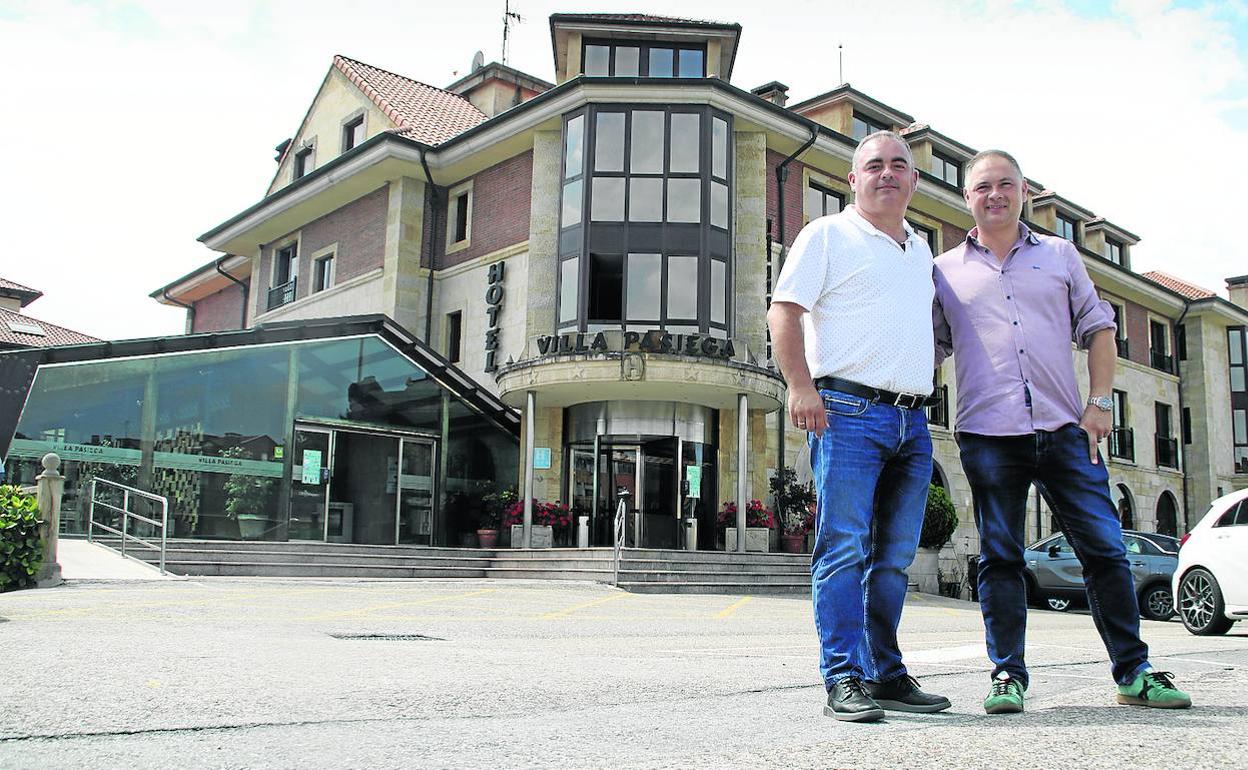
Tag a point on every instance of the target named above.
point(1211, 582)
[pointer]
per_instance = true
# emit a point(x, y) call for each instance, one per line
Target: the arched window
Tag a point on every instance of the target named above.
point(1125, 506)
point(1167, 515)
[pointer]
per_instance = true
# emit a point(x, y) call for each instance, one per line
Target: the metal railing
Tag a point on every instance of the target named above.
point(1167, 451)
point(128, 494)
point(1122, 443)
point(282, 295)
point(620, 511)
point(1160, 361)
point(1124, 347)
point(938, 413)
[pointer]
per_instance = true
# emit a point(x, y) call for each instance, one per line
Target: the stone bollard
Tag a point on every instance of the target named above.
point(51, 486)
point(582, 531)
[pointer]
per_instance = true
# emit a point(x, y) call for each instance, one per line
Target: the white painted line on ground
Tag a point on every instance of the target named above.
point(941, 654)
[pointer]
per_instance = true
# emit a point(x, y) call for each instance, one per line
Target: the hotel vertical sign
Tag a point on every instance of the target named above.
point(493, 306)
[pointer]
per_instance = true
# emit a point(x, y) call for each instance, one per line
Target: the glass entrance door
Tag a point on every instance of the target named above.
point(309, 484)
point(416, 491)
point(363, 489)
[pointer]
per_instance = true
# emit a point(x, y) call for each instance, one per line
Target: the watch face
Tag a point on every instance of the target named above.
point(1101, 402)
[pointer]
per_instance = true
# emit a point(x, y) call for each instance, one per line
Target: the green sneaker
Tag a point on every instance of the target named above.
point(1154, 689)
point(1006, 696)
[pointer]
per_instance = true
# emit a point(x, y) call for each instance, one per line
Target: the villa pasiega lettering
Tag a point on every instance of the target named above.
point(654, 341)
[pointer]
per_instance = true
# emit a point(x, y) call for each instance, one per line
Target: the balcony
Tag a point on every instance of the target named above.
point(282, 295)
point(1124, 347)
point(1167, 452)
point(1122, 444)
point(1160, 361)
point(938, 414)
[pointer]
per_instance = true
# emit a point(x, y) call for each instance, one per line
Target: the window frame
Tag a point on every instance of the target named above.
point(825, 191)
point(303, 163)
point(1061, 219)
point(946, 163)
point(1112, 245)
point(643, 56)
point(454, 336)
point(872, 123)
point(320, 280)
point(454, 225)
point(586, 237)
point(1161, 358)
point(357, 119)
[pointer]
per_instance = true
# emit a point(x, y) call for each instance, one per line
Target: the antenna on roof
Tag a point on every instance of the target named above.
point(508, 17)
point(840, 61)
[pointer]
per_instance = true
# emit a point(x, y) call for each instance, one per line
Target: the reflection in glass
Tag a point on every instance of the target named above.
point(627, 61)
point(607, 204)
point(719, 148)
point(645, 199)
point(690, 64)
point(574, 161)
point(686, 142)
point(719, 204)
point(609, 142)
point(661, 62)
point(572, 203)
point(645, 275)
point(568, 286)
point(647, 150)
point(719, 290)
point(682, 287)
point(684, 200)
point(597, 60)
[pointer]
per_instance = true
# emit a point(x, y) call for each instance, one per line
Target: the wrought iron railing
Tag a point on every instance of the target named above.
point(282, 295)
point(1124, 347)
point(938, 414)
point(1160, 361)
point(1122, 444)
point(1167, 452)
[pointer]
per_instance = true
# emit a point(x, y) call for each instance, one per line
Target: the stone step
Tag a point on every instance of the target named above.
point(716, 588)
point(281, 569)
point(283, 557)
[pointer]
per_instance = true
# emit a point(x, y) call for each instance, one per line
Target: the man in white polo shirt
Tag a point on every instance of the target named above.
point(850, 325)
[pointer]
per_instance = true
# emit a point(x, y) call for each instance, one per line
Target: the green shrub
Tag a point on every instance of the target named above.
point(21, 551)
point(940, 520)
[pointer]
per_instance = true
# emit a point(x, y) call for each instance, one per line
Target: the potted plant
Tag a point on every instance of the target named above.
point(759, 521)
point(548, 518)
point(940, 519)
point(492, 507)
point(794, 507)
point(247, 499)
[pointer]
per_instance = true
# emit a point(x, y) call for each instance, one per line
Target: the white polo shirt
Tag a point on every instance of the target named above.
point(869, 302)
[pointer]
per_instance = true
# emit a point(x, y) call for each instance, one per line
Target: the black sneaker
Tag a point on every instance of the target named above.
point(903, 694)
point(849, 702)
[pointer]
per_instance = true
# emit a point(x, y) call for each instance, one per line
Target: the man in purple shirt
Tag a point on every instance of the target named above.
point(1009, 302)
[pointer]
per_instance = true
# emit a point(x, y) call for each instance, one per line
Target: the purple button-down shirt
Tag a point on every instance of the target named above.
point(1010, 325)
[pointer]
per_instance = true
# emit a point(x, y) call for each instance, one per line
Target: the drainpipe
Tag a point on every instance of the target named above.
point(433, 234)
point(190, 309)
point(242, 323)
point(782, 176)
point(1187, 305)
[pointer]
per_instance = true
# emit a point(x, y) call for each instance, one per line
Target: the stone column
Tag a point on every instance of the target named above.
point(51, 484)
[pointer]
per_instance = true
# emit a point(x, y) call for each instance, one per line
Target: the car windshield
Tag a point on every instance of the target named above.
point(1164, 542)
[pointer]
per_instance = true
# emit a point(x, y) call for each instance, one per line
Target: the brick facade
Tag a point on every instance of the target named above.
point(500, 211)
point(219, 312)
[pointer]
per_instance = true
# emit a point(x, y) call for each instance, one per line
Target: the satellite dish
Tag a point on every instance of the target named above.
point(478, 61)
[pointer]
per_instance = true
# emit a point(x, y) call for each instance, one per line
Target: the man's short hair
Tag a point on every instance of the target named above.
point(884, 134)
point(984, 154)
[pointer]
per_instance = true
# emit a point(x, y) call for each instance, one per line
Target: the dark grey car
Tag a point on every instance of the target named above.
point(1055, 576)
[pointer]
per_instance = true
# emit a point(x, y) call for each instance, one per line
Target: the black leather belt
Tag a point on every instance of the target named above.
point(904, 400)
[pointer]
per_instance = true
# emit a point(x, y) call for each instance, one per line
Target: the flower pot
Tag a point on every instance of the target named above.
point(756, 539)
point(251, 526)
point(792, 543)
point(488, 538)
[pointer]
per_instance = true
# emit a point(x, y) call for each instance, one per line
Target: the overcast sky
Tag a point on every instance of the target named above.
point(133, 127)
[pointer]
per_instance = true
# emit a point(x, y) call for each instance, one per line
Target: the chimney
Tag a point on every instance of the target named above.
point(774, 92)
point(1237, 287)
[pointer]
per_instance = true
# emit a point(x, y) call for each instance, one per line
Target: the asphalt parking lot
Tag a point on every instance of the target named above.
point(281, 673)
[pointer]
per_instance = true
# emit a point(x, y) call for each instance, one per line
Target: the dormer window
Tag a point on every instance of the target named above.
point(946, 169)
point(303, 163)
point(864, 126)
point(1067, 228)
point(603, 58)
point(1113, 251)
point(353, 133)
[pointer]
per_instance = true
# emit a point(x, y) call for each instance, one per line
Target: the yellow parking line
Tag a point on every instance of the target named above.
point(586, 605)
point(389, 605)
point(731, 608)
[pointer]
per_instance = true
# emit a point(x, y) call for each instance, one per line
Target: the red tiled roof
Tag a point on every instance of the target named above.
point(1189, 290)
point(26, 293)
point(642, 17)
point(420, 111)
point(53, 334)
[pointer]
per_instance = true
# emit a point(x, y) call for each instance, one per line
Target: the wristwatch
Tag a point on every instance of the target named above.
point(1104, 403)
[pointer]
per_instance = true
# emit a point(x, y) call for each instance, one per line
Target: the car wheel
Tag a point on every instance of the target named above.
point(1156, 603)
point(1200, 604)
point(1057, 603)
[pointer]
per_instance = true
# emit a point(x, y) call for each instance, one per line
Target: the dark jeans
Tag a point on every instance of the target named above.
point(872, 466)
point(1000, 470)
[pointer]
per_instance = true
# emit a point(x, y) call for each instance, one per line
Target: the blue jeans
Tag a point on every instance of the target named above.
point(1000, 470)
point(872, 467)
